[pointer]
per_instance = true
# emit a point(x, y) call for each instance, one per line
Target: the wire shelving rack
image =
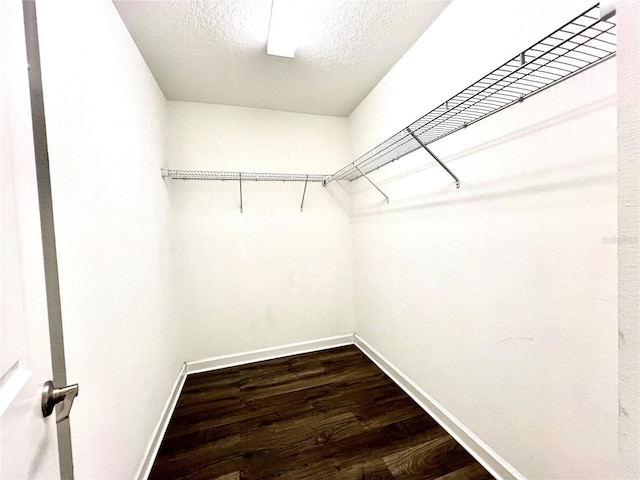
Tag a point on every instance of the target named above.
point(244, 176)
point(583, 42)
point(209, 175)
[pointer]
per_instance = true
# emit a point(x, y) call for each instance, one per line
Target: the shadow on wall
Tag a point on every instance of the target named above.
point(341, 196)
point(414, 202)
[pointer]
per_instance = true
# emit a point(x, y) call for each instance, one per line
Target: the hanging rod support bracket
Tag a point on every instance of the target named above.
point(369, 180)
point(304, 192)
point(434, 157)
point(240, 179)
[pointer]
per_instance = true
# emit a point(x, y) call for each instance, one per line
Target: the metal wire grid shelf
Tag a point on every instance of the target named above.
point(246, 177)
point(586, 40)
point(242, 176)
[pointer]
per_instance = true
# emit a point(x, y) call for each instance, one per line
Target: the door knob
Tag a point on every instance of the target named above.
point(51, 396)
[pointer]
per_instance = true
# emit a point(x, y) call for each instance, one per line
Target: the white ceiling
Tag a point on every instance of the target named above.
point(214, 51)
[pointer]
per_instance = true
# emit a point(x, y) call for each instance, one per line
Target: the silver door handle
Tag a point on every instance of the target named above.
point(51, 396)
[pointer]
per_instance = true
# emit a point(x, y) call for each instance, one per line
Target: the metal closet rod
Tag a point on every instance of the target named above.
point(246, 177)
point(585, 41)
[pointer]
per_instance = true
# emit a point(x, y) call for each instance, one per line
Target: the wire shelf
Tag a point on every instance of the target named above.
point(244, 176)
point(581, 43)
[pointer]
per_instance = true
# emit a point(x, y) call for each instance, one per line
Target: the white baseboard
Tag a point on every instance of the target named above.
point(158, 433)
point(251, 356)
point(489, 459)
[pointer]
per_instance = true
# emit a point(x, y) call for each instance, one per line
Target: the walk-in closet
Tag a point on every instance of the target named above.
point(395, 239)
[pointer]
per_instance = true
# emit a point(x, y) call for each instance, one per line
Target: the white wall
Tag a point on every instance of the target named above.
point(628, 235)
point(272, 275)
point(105, 129)
point(498, 299)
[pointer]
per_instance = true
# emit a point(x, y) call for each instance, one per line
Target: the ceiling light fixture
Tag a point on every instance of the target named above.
point(283, 28)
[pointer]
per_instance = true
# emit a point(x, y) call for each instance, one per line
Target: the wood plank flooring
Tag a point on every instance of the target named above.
point(325, 415)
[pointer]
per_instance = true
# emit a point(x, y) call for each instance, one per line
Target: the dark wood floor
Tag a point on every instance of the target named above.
point(324, 415)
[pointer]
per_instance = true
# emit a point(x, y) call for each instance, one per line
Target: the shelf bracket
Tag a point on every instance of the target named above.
point(369, 180)
point(304, 192)
point(435, 158)
point(240, 178)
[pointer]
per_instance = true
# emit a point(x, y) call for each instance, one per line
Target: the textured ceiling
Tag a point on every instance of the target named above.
point(214, 51)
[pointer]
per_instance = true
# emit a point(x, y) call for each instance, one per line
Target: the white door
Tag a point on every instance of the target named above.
point(28, 441)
